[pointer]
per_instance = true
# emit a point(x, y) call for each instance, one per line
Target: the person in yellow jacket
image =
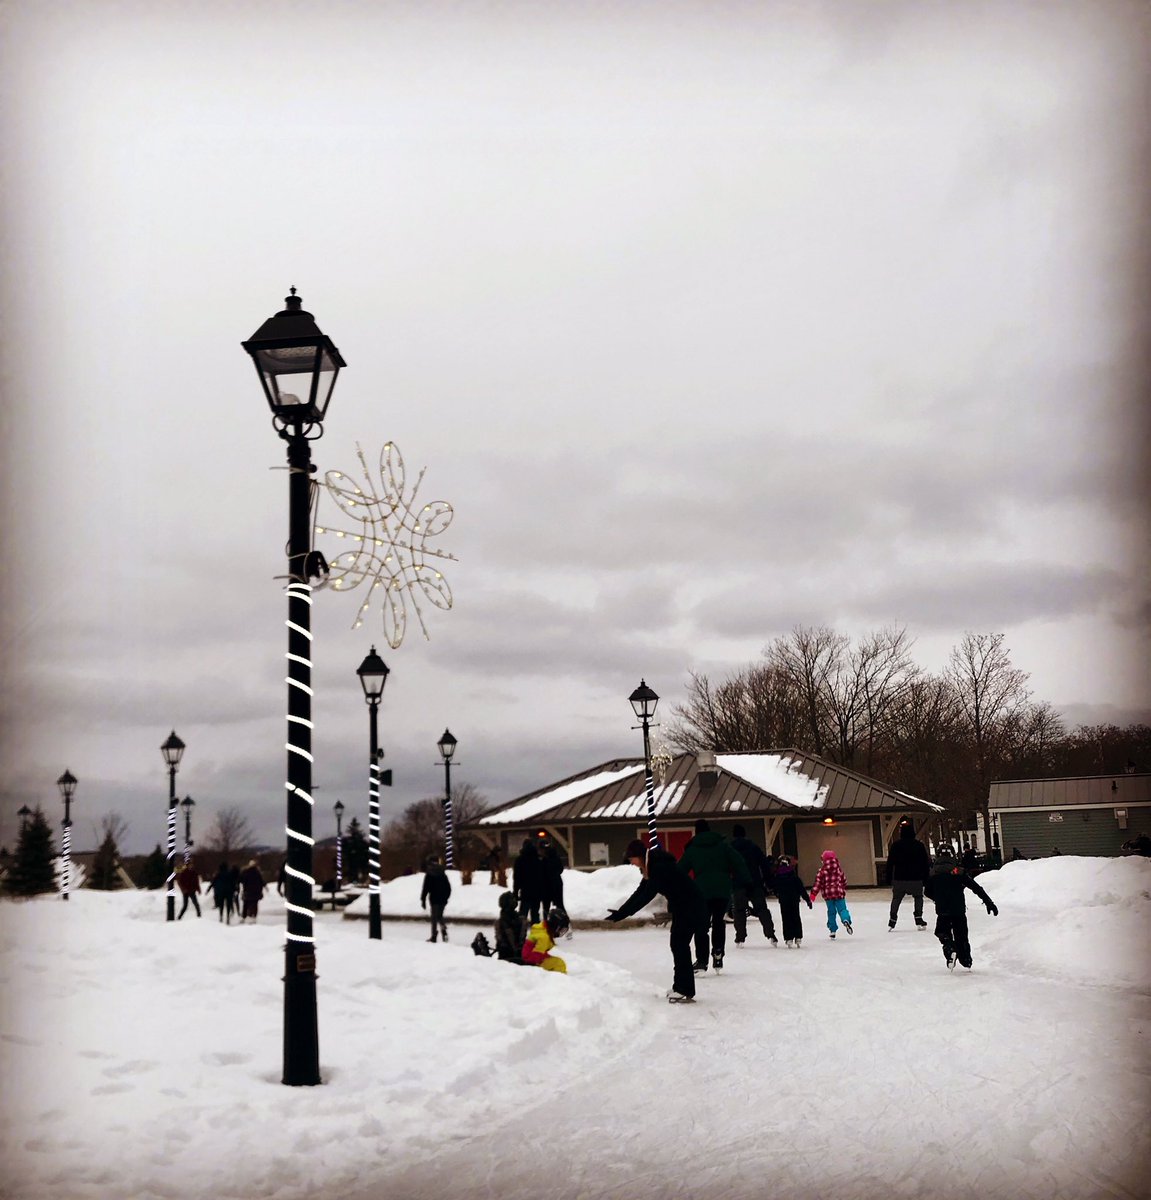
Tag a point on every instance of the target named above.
point(541, 940)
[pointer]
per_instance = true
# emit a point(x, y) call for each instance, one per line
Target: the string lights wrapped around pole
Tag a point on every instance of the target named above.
point(373, 673)
point(643, 701)
point(447, 747)
point(173, 751)
point(67, 785)
point(297, 366)
point(338, 809)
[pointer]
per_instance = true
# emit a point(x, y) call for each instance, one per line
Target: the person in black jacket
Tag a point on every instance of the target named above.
point(527, 881)
point(551, 879)
point(435, 893)
point(509, 931)
point(946, 885)
point(754, 894)
point(908, 866)
point(685, 903)
point(790, 890)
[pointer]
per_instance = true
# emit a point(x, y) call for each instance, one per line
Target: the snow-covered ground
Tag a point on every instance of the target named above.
point(142, 1059)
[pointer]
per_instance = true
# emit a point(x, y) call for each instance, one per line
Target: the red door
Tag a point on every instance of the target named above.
point(674, 840)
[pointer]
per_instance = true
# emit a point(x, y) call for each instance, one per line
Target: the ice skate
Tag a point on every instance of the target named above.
point(774, 941)
point(920, 924)
point(890, 926)
point(674, 997)
point(832, 936)
point(699, 968)
point(789, 944)
point(951, 961)
point(846, 925)
point(717, 961)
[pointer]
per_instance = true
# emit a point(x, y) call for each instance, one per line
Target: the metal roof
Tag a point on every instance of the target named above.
point(774, 782)
point(1112, 791)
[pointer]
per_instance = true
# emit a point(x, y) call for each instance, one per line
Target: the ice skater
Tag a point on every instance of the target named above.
point(831, 881)
point(908, 866)
point(790, 890)
point(946, 885)
point(717, 869)
point(685, 904)
point(435, 893)
point(752, 896)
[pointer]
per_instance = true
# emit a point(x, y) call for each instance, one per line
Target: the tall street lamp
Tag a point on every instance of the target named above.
point(23, 812)
point(187, 804)
point(172, 750)
point(67, 785)
point(643, 701)
point(373, 673)
point(297, 366)
point(447, 745)
point(338, 809)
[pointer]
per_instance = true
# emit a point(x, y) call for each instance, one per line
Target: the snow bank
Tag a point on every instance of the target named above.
point(587, 895)
point(146, 1056)
point(1077, 918)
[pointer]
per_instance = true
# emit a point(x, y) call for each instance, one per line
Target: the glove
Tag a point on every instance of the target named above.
point(993, 910)
point(808, 903)
point(813, 895)
point(613, 915)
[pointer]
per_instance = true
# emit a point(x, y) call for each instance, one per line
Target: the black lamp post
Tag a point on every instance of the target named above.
point(172, 750)
point(643, 701)
point(67, 785)
point(297, 366)
point(373, 673)
point(447, 745)
point(187, 804)
point(338, 809)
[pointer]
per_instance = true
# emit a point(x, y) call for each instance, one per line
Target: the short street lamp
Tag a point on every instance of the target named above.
point(447, 746)
point(172, 750)
point(187, 804)
point(643, 701)
point(373, 673)
point(338, 809)
point(23, 812)
point(67, 785)
point(297, 366)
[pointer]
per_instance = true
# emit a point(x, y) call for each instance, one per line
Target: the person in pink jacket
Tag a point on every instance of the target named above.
point(831, 881)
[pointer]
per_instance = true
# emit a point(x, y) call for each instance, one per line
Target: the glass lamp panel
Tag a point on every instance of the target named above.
point(447, 744)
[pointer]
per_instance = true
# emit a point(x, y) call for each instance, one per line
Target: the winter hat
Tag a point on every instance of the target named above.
point(828, 855)
point(784, 864)
point(635, 849)
point(701, 826)
point(945, 852)
point(738, 831)
point(507, 902)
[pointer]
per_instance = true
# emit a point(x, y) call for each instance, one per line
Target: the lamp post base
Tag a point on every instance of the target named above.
point(301, 1030)
point(374, 930)
point(171, 907)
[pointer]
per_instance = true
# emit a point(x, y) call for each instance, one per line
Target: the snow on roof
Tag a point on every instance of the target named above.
point(777, 774)
point(535, 805)
point(666, 799)
point(909, 796)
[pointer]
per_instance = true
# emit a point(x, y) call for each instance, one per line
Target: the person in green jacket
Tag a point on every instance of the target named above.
point(715, 864)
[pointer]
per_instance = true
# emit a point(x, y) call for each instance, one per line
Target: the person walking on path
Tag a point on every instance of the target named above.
point(908, 866)
point(509, 930)
point(188, 880)
point(252, 887)
point(716, 867)
point(946, 885)
point(435, 892)
point(685, 904)
point(755, 894)
point(831, 881)
point(527, 881)
point(790, 890)
point(223, 894)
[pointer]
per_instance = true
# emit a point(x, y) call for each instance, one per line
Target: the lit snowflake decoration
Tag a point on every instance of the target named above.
point(389, 535)
point(661, 762)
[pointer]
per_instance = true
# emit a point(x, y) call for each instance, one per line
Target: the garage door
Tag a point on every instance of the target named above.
point(851, 841)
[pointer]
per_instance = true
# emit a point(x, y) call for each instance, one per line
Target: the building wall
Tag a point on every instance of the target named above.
point(1089, 831)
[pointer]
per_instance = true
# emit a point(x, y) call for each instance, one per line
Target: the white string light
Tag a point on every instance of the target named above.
point(300, 591)
point(391, 537)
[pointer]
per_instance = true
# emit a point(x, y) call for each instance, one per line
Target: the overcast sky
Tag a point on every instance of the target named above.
point(708, 320)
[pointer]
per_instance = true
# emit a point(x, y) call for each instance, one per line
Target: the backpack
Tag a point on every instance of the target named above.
point(480, 946)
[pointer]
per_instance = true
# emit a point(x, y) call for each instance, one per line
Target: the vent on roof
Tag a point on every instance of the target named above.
point(706, 770)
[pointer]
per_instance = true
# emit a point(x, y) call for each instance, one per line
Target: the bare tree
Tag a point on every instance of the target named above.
point(111, 825)
point(408, 840)
point(812, 659)
point(230, 832)
point(990, 693)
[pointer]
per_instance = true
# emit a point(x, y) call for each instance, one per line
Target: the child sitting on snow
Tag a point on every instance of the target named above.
point(509, 930)
point(540, 941)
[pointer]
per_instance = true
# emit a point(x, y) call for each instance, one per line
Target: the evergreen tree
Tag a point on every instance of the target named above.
point(355, 852)
point(33, 867)
point(154, 872)
point(104, 876)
